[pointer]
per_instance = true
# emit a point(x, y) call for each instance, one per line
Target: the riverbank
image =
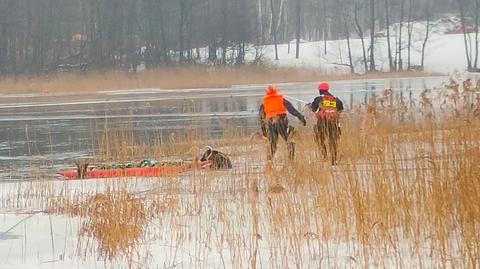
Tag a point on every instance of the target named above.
point(173, 78)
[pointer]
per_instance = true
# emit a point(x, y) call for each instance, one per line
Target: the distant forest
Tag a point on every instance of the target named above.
point(41, 36)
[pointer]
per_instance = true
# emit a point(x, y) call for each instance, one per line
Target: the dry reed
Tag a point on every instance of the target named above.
point(404, 194)
point(169, 78)
point(116, 220)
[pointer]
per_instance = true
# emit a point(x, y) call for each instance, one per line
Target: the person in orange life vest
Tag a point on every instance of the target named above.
point(274, 121)
point(327, 108)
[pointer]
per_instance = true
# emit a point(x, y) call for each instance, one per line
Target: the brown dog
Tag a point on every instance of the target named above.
point(214, 159)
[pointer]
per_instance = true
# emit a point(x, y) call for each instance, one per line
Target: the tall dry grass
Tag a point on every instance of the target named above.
point(168, 78)
point(400, 188)
point(404, 195)
point(115, 219)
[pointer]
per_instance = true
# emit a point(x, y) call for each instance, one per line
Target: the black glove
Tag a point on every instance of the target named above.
point(302, 119)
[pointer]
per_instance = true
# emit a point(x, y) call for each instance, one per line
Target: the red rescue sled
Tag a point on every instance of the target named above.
point(128, 172)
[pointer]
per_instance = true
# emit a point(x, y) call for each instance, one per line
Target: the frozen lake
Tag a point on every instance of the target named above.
point(53, 131)
point(396, 202)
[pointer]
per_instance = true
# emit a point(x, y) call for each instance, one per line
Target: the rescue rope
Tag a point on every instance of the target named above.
point(296, 99)
point(3, 234)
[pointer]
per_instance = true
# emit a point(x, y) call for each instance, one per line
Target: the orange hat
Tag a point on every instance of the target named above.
point(271, 89)
point(323, 86)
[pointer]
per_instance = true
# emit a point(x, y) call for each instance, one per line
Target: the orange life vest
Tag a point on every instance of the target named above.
point(327, 108)
point(273, 105)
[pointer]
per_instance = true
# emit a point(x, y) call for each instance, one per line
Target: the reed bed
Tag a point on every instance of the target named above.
point(176, 77)
point(404, 195)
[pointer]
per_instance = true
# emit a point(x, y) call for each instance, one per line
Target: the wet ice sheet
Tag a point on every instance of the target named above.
point(64, 127)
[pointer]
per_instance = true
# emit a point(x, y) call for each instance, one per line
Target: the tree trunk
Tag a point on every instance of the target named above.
point(427, 31)
point(372, 36)
point(274, 29)
point(287, 34)
point(324, 28)
point(399, 52)
point(462, 18)
point(360, 34)
point(189, 31)
point(284, 21)
point(166, 57)
point(410, 30)
point(224, 32)
point(475, 64)
point(260, 21)
point(212, 46)
point(347, 33)
point(280, 16)
point(298, 28)
point(387, 18)
point(3, 38)
point(181, 26)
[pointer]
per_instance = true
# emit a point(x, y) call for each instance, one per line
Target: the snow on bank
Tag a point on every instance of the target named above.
point(211, 227)
point(445, 53)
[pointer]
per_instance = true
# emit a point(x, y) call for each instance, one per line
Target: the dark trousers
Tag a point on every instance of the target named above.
point(327, 131)
point(278, 127)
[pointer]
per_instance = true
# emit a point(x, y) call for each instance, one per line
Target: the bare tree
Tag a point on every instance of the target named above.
point(399, 51)
point(411, 7)
point(281, 16)
point(427, 32)
point(39, 36)
point(166, 56)
point(387, 24)
point(212, 34)
point(3, 37)
point(298, 28)
point(189, 29)
point(346, 16)
point(225, 26)
point(274, 29)
point(182, 6)
point(372, 36)
point(476, 34)
point(324, 28)
point(260, 21)
point(461, 5)
point(359, 30)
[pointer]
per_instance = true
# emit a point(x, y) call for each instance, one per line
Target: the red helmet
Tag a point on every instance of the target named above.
point(271, 89)
point(323, 86)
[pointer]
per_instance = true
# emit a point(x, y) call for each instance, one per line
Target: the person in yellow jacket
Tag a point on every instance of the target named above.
point(327, 107)
point(274, 121)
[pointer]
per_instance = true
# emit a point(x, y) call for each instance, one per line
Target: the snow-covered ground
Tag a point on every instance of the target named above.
point(210, 226)
point(208, 216)
point(445, 52)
